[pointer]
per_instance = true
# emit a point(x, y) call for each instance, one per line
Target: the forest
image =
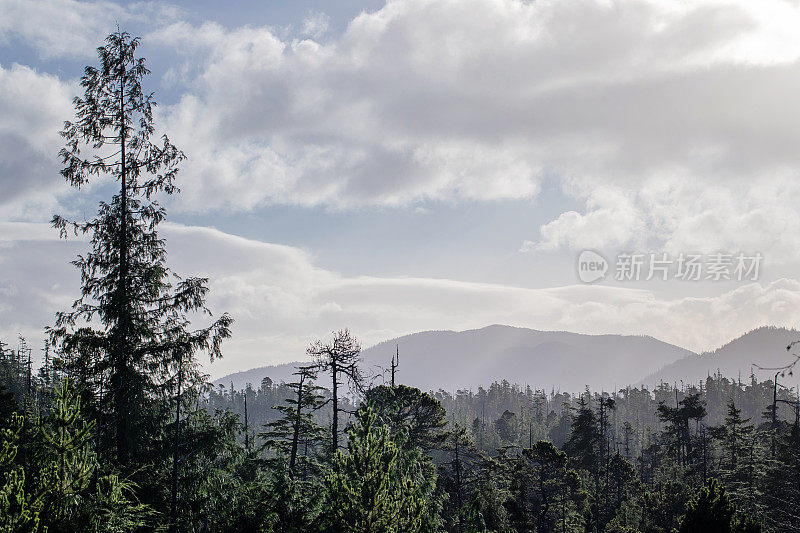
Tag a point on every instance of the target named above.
point(120, 429)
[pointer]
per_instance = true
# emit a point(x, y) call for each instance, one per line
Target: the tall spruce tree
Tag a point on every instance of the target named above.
point(132, 308)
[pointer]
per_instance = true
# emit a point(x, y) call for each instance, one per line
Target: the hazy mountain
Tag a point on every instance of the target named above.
point(451, 360)
point(765, 346)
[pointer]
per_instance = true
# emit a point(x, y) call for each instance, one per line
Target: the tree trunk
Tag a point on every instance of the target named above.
point(458, 489)
point(121, 396)
point(246, 427)
point(296, 434)
point(335, 391)
point(173, 509)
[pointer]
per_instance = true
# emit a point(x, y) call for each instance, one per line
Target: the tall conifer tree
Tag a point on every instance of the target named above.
point(135, 307)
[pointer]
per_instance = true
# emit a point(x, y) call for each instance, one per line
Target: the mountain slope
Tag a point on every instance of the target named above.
point(765, 346)
point(451, 360)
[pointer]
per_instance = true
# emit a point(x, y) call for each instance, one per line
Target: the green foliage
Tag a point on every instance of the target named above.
point(712, 511)
point(90, 443)
point(19, 511)
point(295, 504)
point(408, 409)
point(545, 491)
point(8, 406)
point(583, 444)
point(116, 509)
point(68, 460)
point(379, 486)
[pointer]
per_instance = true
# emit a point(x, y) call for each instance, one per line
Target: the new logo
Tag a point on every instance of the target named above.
point(591, 266)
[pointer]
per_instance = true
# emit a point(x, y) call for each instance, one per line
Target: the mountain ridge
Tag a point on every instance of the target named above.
point(452, 360)
point(763, 346)
point(564, 360)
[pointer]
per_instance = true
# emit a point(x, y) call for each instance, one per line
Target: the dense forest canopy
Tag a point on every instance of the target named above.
point(119, 430)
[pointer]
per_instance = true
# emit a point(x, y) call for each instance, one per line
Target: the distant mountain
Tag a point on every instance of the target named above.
point(452, 360)
point(765, 346)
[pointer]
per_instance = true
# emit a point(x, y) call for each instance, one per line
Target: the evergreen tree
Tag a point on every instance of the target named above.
point(733, 436)
point(583, 443)
point(408, 409)
point(742, 465)
point(115, 508)
point(782, 492)
point(379, 486)
point(140, 326)
point(712, 511)
point(297, 424)
point(19, 510)
point(681, 441)
point(294, 508)
point(507, 427)
point(549, 473)
point(584, 448)
point(69, 461)
point(8, 406)
point(459, 478)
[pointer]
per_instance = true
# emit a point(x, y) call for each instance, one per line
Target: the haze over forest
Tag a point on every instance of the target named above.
point(546, 360)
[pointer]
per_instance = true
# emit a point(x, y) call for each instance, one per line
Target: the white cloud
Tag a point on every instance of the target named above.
point(681, 214)
point(673, 122)
point(72, 28)
point(282, 301)
point(316, 24)
point(639, 108)
point(33, 107)
point(58, 28)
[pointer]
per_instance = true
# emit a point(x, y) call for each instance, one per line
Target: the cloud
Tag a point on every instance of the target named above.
point(672, 124)
point(72, 28)
point(316, 24)
point(282, 300)
point(33, 109)
point(638, 109)
point(682, 214)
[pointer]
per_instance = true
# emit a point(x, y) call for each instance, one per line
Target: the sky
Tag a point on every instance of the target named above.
point(430, 164)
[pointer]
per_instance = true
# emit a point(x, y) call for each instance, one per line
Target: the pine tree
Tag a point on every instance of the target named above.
point(68, 459)
point(782, 493)
point(678, 435)
point(549, 468)
point(733, 436)
point(297, 423)
point(379, 486)
point(139, 317)
point(583, 442)
point(584, 448)
point(458, 477)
